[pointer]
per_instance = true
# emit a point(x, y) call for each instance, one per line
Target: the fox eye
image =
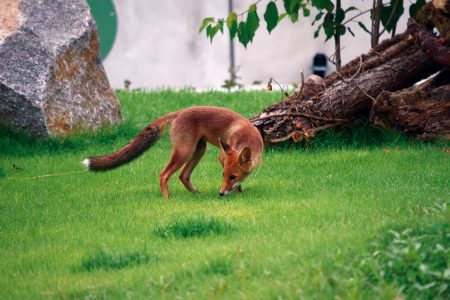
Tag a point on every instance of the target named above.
point(232, 177)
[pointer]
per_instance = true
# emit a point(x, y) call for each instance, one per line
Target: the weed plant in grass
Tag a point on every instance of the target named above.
point(359, 213)
point(194, 227)
point(414, 259)
point(105, 260)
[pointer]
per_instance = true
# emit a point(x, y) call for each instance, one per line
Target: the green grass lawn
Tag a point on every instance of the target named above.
point(357, 214)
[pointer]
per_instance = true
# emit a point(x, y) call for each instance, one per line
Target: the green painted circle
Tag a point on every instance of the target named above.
point(105, 16)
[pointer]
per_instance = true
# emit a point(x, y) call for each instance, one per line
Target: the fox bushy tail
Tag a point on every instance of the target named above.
point(144, 140)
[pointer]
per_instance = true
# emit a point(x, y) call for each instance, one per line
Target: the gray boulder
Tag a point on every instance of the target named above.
point(51, 76)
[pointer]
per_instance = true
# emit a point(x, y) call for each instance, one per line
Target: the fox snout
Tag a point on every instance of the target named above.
point(237, 165)
point(235, 187)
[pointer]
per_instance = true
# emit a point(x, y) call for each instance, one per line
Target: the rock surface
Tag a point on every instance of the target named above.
point(51, 77)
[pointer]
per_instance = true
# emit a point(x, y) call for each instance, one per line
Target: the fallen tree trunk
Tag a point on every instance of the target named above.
point(422, 111)
point(344, 96)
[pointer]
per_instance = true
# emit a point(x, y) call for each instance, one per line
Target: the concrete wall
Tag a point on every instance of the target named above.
point(158, 45)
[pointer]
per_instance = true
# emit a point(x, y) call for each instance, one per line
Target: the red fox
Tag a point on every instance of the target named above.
point(240, 142)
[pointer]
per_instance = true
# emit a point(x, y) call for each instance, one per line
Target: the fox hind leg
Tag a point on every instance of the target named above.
point(185, 175)
point(177, 160)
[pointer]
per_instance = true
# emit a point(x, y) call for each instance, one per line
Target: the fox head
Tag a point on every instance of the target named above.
point(237, 165)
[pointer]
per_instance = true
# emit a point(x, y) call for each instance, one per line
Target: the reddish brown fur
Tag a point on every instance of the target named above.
point(192, 128)
point(144, 140)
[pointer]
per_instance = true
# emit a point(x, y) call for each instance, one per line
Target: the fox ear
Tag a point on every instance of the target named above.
point(245, 158)
point(225, 147)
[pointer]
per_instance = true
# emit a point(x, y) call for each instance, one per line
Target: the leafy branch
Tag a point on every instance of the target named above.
point(332, 19)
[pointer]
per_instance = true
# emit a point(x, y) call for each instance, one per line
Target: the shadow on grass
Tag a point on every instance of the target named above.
point(359, 135)
point(107, 261)
point(194, 227)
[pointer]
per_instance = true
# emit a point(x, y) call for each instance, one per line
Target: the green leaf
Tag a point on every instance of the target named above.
point(316, 33)
point(391, 14)
point(287, 5)
point(220, 24)
point(306, 12)
point(214, 30)
point(294, 17)
point(340, 16)
point(351, 8)
point(361, 24)
point(232, 17)
point(341, 30)
point(232, 24)
point(294, 6)
point(252, 22)
point(271, 16)
point(323, 4)
point(243, 34)
point(328, 25)
point(350, 30)
point(208, 30)
point(414, 8)
point(317, 18)
point(233, 30)
point(205, 23)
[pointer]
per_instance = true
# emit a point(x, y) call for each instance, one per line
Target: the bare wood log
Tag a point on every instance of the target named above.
point(346, 95)
point(422, 111)
point(434, 47)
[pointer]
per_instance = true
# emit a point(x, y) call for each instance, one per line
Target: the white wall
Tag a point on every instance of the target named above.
point(158, 45)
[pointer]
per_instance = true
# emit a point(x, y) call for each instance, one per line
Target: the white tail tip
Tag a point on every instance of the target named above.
point(86, 163)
